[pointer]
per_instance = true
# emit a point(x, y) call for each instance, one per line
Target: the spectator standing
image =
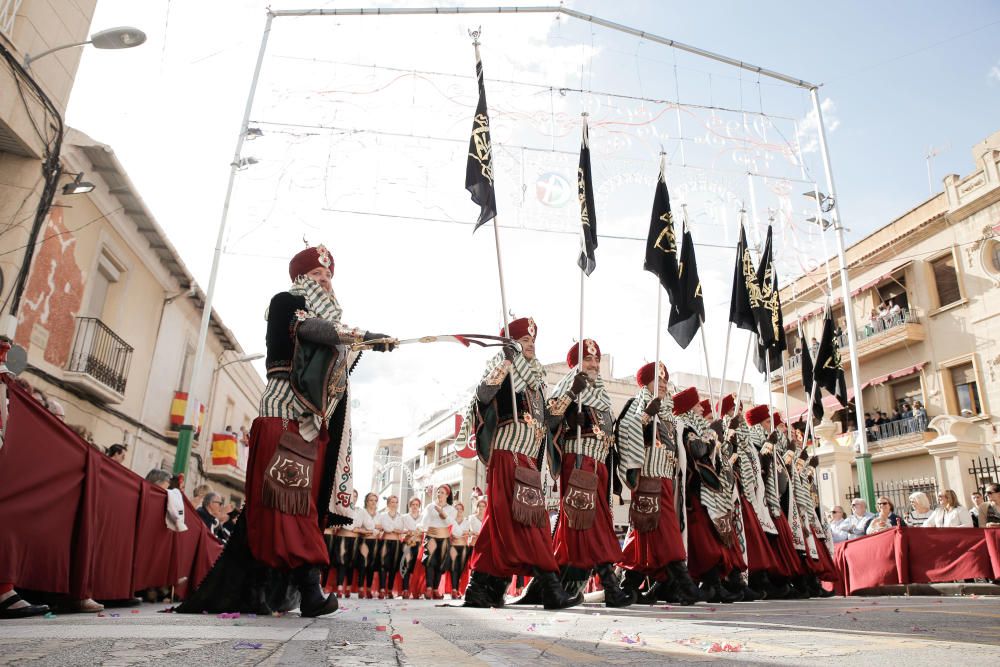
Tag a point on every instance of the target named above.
point(199, 494)
point(856, 524)
point(975, 500)
point(814, 346)
point(885, 519)
point(920, 509)
point(160, 478)
point(920, 414)
point(949, 514)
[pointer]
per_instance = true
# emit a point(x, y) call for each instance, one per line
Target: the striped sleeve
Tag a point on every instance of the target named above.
point(631, 444)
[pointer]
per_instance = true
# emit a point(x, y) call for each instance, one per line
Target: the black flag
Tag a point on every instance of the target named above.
point(828, 372)
point(764, 299)
point(740, 310)
point(687, 310)
point(479, 167)
point(661, 242)
point(807, 379)
point(588, 214)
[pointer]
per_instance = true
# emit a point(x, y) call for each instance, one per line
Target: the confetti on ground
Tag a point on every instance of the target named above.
point(416, 622)
point(716, 647)
point(253, 616)
point(666, 606)
point(227, 614)
point(250, 645)
point(115, 615)
point(917, 628)
point(508, 618)
point(397, 637)
point(530, 628)
point(101, 614)
point(626, 638)
point(135, 611)
point(364, 618)
point(379, 628)
point(49, 614)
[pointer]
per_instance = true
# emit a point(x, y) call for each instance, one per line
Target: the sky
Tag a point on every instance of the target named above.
point(365, 124)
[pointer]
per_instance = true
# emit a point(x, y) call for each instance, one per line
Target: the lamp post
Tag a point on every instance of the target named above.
point(186, 433)
point(863, 460)
point(124, 37)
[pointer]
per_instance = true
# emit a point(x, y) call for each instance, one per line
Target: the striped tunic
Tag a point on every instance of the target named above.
point(715, 501)
point(522, 437)
point(653, 461)
point(751, 478)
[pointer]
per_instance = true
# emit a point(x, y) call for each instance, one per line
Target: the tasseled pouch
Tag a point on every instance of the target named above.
point(289, 476)
point(580, 502)
point(645, 509)
point(528, 503)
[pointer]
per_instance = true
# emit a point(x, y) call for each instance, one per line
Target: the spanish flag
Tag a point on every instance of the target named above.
point(224, 449)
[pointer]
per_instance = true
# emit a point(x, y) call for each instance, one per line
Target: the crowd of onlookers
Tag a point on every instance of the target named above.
point(907, 418)
point(949, 513)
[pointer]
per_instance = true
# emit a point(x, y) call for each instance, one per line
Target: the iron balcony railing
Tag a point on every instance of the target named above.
point(897, 428)
point(100, 353)
point(871, 329)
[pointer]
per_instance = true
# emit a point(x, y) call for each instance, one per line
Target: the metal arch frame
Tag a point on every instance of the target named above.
point(184, 442)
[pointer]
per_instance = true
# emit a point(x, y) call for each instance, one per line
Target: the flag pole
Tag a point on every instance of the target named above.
point(474, 34)
point(743, 375)
point(583, 275)
point(701, 330)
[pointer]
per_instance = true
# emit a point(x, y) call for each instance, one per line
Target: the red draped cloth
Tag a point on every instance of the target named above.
point(649, 553)
point(279, 540)
point(598, 544)
point(705, 550)
point(823, 568)
point(759, 554)
point(506, 547)
point(917, 555)
point(76, 522)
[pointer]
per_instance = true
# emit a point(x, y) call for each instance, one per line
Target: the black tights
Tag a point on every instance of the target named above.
point(459, 557)
point(435, 559)
point(345, 549)
point(408, 560)
point(366, 560)
point(389, 564)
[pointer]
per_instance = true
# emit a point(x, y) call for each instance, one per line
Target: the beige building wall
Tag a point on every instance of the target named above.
point(107, 286)
point(941, 262)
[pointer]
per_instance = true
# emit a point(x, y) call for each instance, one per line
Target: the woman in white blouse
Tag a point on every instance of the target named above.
point(367, 559)
point(344, 551)
point(459, 552)
point(412, 536)
point(437, 520)
point(948, 513)
point(476, 521)
point(390, 523)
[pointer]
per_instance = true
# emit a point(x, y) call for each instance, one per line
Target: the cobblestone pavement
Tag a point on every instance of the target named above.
point(869, 631)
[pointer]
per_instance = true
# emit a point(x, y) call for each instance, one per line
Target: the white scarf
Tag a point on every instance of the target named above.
point(594, 395)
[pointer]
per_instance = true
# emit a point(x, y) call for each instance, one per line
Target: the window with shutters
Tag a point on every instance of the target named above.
point(966, 389)
point(946, 280)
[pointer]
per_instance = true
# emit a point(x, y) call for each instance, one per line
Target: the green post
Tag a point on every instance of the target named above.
point(184, 437)
point(865, 483)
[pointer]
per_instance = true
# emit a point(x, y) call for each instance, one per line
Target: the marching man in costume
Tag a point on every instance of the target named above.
point(299, 470)
point(789, 566)
point(654, 546)
point(584, 538)
point(710, 520)
point(515, 535)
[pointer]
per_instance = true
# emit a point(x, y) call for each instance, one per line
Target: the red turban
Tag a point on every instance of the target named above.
point(645, 374)
point(727, 403)
point(706, 406)
point(777, 419)
point(521, 327)
point(590, 347)
point(309, 259)
point(685, 400)
point(757, 414)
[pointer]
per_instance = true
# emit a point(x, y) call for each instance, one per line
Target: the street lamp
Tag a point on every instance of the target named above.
point(124, 37)
point(185, 433)
point(78, 186)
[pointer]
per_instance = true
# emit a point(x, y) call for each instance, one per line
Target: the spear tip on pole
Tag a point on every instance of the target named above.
point(475, 34)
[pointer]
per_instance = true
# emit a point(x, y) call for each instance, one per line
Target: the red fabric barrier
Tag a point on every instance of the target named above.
point(917, 555)
point(74, 521)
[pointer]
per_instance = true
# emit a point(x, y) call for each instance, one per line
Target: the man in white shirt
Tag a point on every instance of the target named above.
point(857, 523)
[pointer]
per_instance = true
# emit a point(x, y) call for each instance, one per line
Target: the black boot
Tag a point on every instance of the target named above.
point(479, 593)
point(684, 590)
point(713, 591)
point(735, 584)
point(816, 589)
point(532, 594)
point(777, 587)
point(757, 583)
point(632, 581)
point(797, 589)
point(313, 603)
point(498, 587)
point(614, 596)
point(553, 595)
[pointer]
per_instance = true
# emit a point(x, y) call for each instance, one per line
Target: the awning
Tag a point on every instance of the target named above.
point(830, 404)
point(885, 276)
point(895, 375)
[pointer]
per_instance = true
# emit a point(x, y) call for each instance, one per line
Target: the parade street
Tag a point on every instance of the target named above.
point(870, 631)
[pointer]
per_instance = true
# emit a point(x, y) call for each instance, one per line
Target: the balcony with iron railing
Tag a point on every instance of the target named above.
point(875, 338)
point(99, 361)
